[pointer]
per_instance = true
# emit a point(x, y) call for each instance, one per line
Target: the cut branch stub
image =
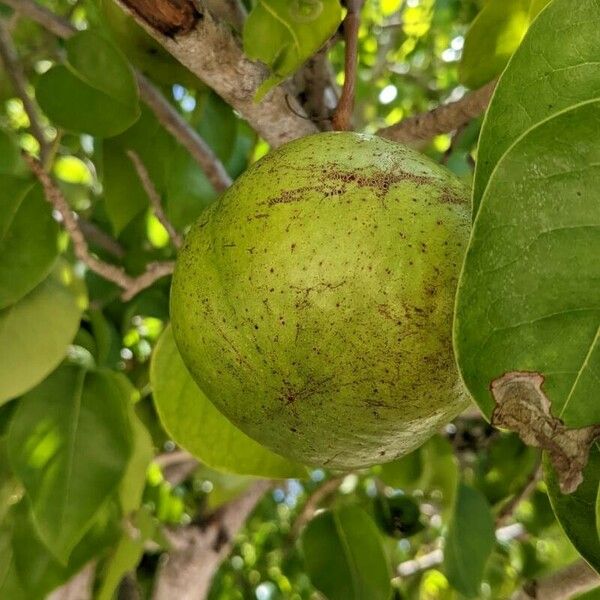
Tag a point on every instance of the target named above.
point(170, 17)
point(523, 407)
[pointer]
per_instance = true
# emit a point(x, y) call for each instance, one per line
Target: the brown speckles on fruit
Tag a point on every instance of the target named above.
point(329, 342)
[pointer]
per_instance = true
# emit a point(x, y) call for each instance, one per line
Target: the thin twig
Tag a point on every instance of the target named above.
point(506, 512)
point(15, 72)
point(442, 119)
point(130, 285)
point(40, 14)
point(175, 124)
point(325, 490)
point(342, 116)
point(154, 197)
point(176, 466)
point(436, 556)
point(166, 114)
point(96, 236)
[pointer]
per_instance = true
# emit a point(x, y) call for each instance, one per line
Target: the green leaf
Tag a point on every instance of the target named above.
point(344, 556)
point(107, 344)
point(102, 66)
point(94, 93)
point(124, 196)
point(404, 473)
point(576, 512)
point(555, 68)
point(184, 188)
point(28, 238)
point(469, 541)
point(529, 298)
point(491, 40)
point(10, 156)
point(70, 443)
point(10, 586)
point(195, 424)
point(36, 331)
point(126, 555)
point(37, 569)
point(285, 33)
point(134, 480)
point(143, 51)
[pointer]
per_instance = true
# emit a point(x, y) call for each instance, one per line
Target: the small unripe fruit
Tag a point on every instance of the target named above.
point(313, 302)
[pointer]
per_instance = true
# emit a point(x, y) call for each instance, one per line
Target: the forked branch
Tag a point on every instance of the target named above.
point(130, 285)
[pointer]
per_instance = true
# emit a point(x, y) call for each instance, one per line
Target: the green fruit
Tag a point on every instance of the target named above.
point(313, 302)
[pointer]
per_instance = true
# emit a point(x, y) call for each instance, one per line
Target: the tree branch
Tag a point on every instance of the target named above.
point(130, 285)
point(436, 556)
point(575, 579)
point(509, 508)
point(166, 114)
point(342, 116)
point(312, 504)
point(174, 123)
point(443, 119)
point(176, 466)
point(316, 89)
point(197, 551)
point(154, 197)
point(211, 51)
point(96, 236)
point(9, 57)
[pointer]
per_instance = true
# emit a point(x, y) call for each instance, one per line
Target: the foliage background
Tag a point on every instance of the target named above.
point(472, 490)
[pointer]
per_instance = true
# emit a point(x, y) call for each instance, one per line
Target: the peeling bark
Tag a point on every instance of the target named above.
point(523, 407)
point(170, 17)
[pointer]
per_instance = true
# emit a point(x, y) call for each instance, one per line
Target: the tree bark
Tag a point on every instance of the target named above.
point(188, 569)
point(211, 50)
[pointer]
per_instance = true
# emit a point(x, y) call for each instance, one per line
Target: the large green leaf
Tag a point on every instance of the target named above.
point(70, 443)
point(10, 158)
point(344, 556)
point(576, 512)
point(102, 66)
point(492, 38)
point(283, 33)
point(555, 68)
point(184, 188)
point(529, 298)
point(469, 541)
point(126, 555)
point(36, 569)
point(124, 195)
point(36, 331)
point(95, 92)
point(10, 585)
point(134, 480)
point(195, 424)
point(28, 238)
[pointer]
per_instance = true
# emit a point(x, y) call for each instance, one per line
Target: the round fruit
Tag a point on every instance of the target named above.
point(313, 302)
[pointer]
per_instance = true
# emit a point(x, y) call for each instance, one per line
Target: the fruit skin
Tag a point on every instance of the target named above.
point(313, 302)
